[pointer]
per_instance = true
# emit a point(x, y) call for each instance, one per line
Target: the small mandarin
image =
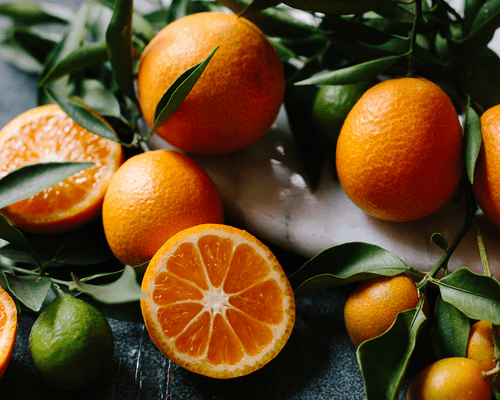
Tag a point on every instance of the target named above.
point(151, 197)
point(375, 303)
point(238, 95)
point(399, 153)
point(8, 329)
point(450, 379)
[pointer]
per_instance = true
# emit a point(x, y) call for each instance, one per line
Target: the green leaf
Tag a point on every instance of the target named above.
point(341, 7)
point(125, 289)
point(120, 48)
point(473, 140)
point(353, 74)
point(16, 55)
point(487, 18)
point(12, 235)
point(256, 6)
point(83, 116)
point(30, 12)
point(345, 263)
point(86, 56)
point(37, 42)
point(178, 91)
point(29, 180)
point(99, 98)
point(450, 330)
point(477, 296)
point(384, 359)
point(18, 254)
point(439, 241)
point(31, 291)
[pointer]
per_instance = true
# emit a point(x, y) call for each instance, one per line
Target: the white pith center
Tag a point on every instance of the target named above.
point(216, 300)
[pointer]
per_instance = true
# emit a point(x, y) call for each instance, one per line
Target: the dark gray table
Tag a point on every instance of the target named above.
point(318, 362)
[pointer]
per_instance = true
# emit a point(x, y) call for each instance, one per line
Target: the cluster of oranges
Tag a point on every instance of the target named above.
point(217, 301)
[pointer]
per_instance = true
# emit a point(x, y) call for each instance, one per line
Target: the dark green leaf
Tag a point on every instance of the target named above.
point(99, 98)
point(29, 290)
point(29, 180)
point(125, 289)
point(439, 241)
point(83, 116)
point(357, 73)
point(30, 12)
point(85, 56)
point(119, 44)
point(384, 359)
point(18, 254)
point(477, 296)
point(258, 5)
point(487, 18)
point(345, 263)
point(450, 330)
point(341, 7)
point(178, 91)
point(16, 55)
point(130, 311)
point(473, 140)
point(36, 42)
point(12, 235)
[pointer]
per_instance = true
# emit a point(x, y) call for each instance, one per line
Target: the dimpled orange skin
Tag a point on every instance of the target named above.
point(375, 303)
point(399, 153)
point(153, 196)
point(450, 379)
point(486, 185)
point(480, 347)
point(236, 99)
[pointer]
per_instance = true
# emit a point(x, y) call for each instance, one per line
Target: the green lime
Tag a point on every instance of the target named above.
point(71, 343)
point(331, 106)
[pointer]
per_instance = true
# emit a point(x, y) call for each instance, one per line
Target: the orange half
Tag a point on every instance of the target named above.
point(45, 134)
point(8, 329)
point(217, 301)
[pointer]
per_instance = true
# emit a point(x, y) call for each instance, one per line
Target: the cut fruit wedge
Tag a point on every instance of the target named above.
point(8, 329)
point(217, 301)
point(45, 134)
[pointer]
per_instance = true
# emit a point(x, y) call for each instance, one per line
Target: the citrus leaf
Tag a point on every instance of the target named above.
point(125, 289)
point(439, 241)
point(341, 7)
point(353, 74)
point(29, 180)
point(450, 330)
point(16, 55)
point(473, 140)
point(18, 254)
point(99, 98)
point(36, 42)
point(487, 18)
point(258, 5)
point(83, 116)
point(29, 12)
point(178, 91)
point(31, 291)
point(85, 56)
point(477, 296)
point(120, 48)
point(13, 235)
point(383, 360)
point(345, 263)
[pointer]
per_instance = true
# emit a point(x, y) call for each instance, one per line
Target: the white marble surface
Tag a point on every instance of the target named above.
point(264, 189)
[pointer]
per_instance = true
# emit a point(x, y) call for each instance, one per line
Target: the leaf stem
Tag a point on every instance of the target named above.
point(482, 250)
point(443, 262)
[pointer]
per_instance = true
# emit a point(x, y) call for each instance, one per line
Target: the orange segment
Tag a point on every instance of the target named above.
point(46, 134)
point(217, 301)
point(8, 329)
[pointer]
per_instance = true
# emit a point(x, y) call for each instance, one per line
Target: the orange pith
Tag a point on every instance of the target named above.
point(8, 329)
point(217, 301)
point(46, 134)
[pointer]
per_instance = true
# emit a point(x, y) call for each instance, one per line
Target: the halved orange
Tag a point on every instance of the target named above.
point(8, 329)
point(44, 134)
point(217, 301)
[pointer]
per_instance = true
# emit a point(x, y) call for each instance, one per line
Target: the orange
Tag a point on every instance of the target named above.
point(450, 379)
point(373, 306)
point(217, 301)
point(486, 184)
point(480, 347)
point(8, 329)
point(399, 153)
point(151, 197)
point(236, 99)
point(45, 134)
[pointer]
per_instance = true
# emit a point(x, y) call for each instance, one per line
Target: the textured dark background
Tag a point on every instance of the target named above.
point(318, 362)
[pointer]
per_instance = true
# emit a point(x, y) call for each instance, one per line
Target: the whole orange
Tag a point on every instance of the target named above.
point(450, 379)
point(153, 196)
point(375, 303)
point(486, 184)
point(236, 99)
point(480, 347)
point(399, 153)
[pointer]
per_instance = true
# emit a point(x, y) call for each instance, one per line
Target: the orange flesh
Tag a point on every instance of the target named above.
point(3, 318)
point(44, 143)
point(218, 303)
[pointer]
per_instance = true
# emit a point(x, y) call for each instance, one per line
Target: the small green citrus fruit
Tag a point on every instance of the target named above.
point(71, 343)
